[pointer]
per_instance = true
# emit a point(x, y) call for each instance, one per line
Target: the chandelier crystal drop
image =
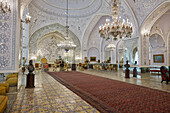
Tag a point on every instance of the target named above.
point(117, 27)
point(111, 46)
point(66, 44)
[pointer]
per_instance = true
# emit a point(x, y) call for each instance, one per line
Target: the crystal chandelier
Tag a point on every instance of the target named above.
point(67, 23)
point(5, 6)
point(115, 28)
point(66, 44)
point(111, 46)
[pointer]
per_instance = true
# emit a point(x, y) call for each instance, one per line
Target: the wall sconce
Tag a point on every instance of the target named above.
point(125, 49)
point(146, 35)
point(5, 6)
point(27, 19)
point(146, 32)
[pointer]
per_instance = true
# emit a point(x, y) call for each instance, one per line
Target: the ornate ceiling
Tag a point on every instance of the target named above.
point(77, 8)
point(85, 14)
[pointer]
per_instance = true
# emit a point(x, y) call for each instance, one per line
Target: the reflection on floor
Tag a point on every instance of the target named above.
point(145, 79)
point(50, 96)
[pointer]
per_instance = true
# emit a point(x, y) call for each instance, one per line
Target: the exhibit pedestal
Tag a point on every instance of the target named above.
point(127, 72)
point(134, 72)
point(73, 68)
point(30, 81)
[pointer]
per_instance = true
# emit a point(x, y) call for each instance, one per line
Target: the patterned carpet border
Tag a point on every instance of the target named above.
point(112, 107)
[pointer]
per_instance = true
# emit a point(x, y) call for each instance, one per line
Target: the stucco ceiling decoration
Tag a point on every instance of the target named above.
point(142, 8)
point(154, 16)
point(77, 8)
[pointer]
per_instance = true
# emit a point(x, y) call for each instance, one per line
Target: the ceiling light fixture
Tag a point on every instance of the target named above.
point(27, 18)
point(67, 27)
point(115, 28)
point(5, 6)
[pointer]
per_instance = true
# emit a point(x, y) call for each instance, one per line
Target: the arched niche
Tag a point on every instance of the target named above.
point(47, 48)
point(107, 54)
point(56, 29)
point(157, 47)
point(156, 41)
point(93, 52)
point(119, 51)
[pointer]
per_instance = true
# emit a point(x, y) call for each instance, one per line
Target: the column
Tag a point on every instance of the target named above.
point(118, 61)
point(73, 56)
point(144, 50)
point(113, 56)
point(124, 59)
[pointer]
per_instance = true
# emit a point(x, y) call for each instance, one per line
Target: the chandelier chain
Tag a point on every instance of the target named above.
point(67, 20)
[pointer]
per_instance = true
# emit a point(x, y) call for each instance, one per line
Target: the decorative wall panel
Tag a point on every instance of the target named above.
point(8, 39)
point(56, 29)
point(47, 48)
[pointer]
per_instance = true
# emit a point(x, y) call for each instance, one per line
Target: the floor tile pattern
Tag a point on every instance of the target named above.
point(49, 96)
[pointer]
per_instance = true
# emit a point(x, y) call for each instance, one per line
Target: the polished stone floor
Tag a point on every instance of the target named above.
point(50, 96)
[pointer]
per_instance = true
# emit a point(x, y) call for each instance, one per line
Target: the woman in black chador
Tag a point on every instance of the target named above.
point(30, 67)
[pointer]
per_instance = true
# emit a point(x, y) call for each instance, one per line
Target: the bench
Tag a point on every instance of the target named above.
point(155, 71)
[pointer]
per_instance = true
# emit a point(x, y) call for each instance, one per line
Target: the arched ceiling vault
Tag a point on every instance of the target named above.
point(154, 16)
point(55, 29)
point(56, 35)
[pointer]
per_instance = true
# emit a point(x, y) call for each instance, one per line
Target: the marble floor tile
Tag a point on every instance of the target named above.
point(48, 96)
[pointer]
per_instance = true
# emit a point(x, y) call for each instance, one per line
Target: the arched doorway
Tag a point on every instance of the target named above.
point(156, 20)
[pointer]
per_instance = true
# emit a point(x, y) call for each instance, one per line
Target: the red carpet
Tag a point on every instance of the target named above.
point(113, 96)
